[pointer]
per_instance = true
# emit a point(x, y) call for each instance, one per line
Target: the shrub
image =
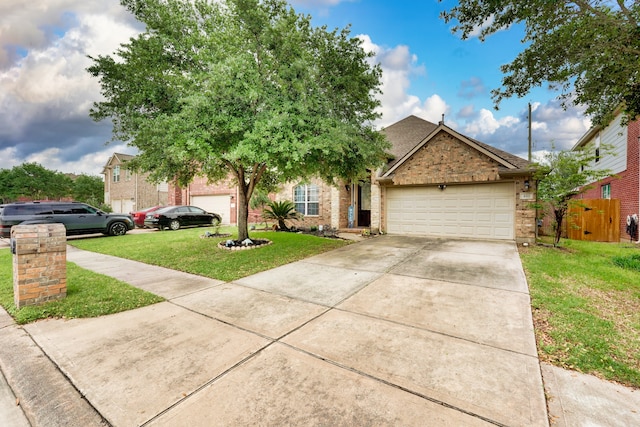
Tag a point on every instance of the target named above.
point(631, 262)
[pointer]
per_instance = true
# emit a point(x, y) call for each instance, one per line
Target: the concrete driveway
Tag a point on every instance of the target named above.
point(388, 331)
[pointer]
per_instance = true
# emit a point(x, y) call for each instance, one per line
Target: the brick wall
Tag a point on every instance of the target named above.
point(133, 190)
point(445, 159)
point(324, 200)
point(39, 264)
point(625, 186)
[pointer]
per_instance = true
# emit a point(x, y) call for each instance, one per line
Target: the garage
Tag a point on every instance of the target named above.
point(468, 211)
point(220, 204)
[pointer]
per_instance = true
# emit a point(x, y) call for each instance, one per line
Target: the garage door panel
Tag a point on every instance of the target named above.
point(481, 210)
point(220, 204)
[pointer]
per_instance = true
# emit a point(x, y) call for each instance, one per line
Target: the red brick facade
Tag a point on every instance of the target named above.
point(625, 186)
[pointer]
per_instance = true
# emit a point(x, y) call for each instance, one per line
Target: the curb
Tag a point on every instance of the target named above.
point(46, 396)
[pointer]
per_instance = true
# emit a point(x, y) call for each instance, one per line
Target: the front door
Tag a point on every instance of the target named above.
point(364, 204)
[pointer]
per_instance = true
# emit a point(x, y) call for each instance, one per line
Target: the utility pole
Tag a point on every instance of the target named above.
point(529, 131)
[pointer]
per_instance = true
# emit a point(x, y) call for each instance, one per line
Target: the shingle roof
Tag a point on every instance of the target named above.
point(406, 134)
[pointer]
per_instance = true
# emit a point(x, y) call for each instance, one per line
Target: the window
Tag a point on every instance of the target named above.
point(597, 143)
point(127, 175)
point(116, 173)
point(305, 198)
point(606, 191)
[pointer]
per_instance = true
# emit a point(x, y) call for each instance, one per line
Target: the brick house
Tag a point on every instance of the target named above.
point(220, 197)
point(437, 182)
point(127, 191)
point(622, 160)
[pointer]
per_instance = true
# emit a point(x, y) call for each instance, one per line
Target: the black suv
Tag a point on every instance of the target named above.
point(78, 218)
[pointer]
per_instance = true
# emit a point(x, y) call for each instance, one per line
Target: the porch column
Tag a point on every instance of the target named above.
point(335, 207)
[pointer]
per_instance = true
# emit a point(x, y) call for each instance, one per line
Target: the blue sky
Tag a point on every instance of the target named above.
point(45, 92)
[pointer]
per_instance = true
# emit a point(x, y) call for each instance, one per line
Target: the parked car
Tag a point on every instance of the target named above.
point(175, 217)
point(139, 216)
point(78, 218)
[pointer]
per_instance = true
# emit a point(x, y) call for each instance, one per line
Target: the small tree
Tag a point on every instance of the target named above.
point(259, 200)
point(562, 175)
point(281, 212)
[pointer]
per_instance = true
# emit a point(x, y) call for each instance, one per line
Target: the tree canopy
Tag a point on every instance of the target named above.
point(32, 181)
point(241, 87)
point(587, 49)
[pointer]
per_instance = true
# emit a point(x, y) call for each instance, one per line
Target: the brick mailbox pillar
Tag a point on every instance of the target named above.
point(39, 263)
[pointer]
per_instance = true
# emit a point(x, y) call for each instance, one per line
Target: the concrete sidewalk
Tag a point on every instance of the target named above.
point(389, 331)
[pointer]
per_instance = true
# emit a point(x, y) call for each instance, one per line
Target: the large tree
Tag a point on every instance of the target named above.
point(34, 182)
point(589, 49)
point(241, 87)
point(88, 189)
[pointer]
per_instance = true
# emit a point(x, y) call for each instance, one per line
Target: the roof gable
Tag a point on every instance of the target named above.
point(116, 159)
point(412, 133)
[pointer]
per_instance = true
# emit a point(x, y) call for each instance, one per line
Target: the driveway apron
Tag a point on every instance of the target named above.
point(389, 331)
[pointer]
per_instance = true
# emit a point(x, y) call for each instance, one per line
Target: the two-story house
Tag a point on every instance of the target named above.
point(127, 191)
point(622, 158)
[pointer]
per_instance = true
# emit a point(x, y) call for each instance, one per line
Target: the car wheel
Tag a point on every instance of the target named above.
point(174, 224)
point(215, 221)
point(118, 229)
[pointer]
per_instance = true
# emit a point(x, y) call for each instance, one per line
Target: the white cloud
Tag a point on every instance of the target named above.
point(477, 30)
point(486, 124)
point(399, 65)
point(552, 127)
point(45, 90)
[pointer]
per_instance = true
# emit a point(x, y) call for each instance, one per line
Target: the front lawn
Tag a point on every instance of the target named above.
point(585, 300)
point(88, 295)
point(185, 250)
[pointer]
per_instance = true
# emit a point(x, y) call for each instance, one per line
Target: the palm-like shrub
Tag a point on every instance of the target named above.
point(281, 211)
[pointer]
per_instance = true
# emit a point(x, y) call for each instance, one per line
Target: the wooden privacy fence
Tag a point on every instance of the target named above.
point(596, 220)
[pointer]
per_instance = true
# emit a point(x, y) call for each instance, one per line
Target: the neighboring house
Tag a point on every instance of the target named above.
point(126, 191)
point(220, 198)
point(437, 182)
point(622, 160)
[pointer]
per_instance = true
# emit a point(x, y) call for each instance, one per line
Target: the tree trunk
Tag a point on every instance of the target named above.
point(243, 213)
point(559, 215)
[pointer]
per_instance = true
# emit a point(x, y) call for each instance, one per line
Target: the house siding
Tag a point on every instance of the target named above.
point(625, 185)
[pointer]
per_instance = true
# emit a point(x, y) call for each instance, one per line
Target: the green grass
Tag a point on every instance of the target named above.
point(184, 250)
point(586, 307)
point(88, 295)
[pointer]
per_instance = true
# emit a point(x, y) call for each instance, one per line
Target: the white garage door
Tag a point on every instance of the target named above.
point(122, 205)
point(216, 204)
point(477, 211)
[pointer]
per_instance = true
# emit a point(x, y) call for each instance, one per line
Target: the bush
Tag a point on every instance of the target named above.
point(631, 262)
